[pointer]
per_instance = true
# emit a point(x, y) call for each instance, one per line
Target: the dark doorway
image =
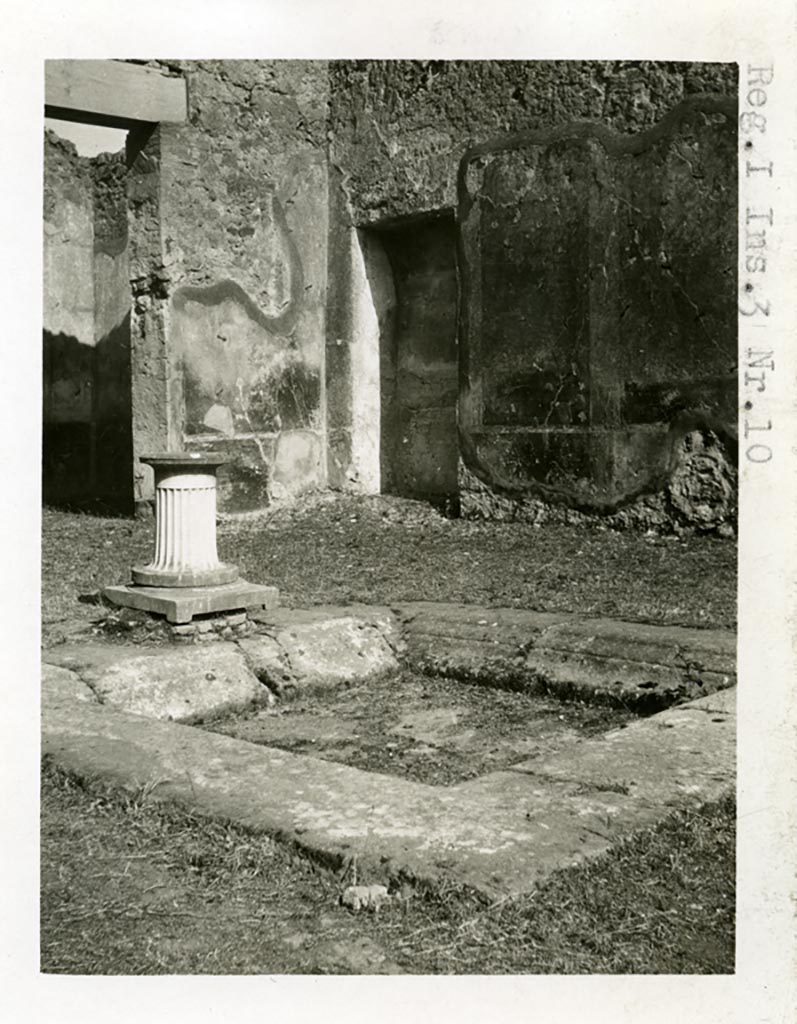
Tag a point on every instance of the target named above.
point(87, 448)
point(418, 363)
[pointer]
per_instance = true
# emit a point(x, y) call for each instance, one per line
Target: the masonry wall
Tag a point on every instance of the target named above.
point(305, 269)
point(398, 129)
point(621, 404)
point(112, 368)
point(598, 310)
point(232, 278)
point(68, 314)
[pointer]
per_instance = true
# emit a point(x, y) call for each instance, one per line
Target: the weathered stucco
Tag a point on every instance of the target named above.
point(112, 372)
point(149, 286)
point(243, 231)
point(597, 330)
point(398, 129)
point(598, 321)
point(314, 294)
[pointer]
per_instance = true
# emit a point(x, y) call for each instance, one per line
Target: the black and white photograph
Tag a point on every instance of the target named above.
point(401, 422)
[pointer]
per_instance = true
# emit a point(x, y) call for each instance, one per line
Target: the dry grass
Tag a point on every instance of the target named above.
point(335, 549)
point(129, 887)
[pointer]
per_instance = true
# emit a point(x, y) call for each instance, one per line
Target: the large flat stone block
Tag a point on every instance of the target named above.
point(179, 685)
point(310, 652)
point(113, 92)
point(628, 663)
point(686, 752)
point(381, 617)
point(62, 685)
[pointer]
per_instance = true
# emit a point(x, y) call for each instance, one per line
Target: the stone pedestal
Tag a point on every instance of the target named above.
point(185, 524)
point(185, 577)
point(181, 604)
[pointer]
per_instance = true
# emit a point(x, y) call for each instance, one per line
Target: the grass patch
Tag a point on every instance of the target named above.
point(130, 887)
point(337, 550)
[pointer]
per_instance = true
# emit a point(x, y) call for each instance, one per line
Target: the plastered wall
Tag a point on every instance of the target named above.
point(295, 299)
point(239, 297)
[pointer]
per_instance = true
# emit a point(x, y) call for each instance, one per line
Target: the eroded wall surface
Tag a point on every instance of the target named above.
point(68, 328)
point(597, 332)
point(265, 286)
point(112, 370)
point(241, 286)
point(398, 129)
point(598, 309)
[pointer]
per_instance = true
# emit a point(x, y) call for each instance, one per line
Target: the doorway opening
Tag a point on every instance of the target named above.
point(419, 448)
point(87, 446)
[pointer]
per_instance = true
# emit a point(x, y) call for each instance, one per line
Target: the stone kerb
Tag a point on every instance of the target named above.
point(500, 833)
point(643, 666)
point(302, 650)
point(279, 651)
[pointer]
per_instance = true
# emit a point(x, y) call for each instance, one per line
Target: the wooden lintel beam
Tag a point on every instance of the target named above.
point(112, 93)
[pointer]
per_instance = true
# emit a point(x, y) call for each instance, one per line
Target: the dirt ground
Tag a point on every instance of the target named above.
point(432, 730)
point(336, 549)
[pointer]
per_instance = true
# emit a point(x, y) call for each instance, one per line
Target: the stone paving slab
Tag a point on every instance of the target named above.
point(61, 684)
point(633, 661)
point(681, 754)
point(500, 834)
point(380, 617)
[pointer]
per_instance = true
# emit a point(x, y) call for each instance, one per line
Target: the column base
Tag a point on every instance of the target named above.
point(146, 576)
point(181, 604)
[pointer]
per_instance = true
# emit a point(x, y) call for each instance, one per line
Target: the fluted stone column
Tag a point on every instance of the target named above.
point(185, 577)
point(185, 524)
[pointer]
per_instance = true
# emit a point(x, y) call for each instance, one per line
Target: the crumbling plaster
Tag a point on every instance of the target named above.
point(398, 129)
point(647, 379)
point(259, 296)
point(234, 310)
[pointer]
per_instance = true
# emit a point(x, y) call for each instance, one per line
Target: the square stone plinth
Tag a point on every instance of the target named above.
point(181, 604)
